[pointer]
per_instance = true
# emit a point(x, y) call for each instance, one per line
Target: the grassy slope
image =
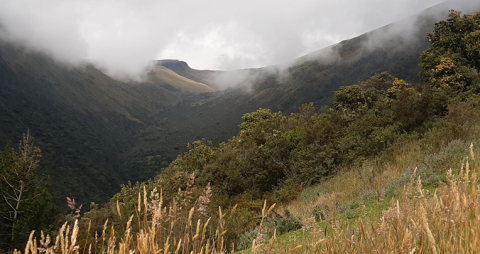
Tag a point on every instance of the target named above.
point(162, 75)
point(363, 199)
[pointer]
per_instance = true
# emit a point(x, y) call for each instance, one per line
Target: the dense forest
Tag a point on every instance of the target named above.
point(272, 160)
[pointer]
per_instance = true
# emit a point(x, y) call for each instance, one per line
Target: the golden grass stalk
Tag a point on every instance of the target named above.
point(274, 238)
point(233, 210)
point(118, 210)
point(431, 239)
point(270, 209)
point(472, 154)
point(296, 248)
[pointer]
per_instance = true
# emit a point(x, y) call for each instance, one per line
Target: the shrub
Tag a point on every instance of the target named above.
point(320, 212)
point(350, 211)
point(246, 239)
point(284, 225)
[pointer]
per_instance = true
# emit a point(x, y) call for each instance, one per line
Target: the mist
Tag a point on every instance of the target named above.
point(124, 36)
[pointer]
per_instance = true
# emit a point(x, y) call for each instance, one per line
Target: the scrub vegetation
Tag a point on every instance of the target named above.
point(389, 167)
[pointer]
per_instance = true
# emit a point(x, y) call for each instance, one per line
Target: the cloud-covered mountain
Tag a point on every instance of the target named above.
point(97, 132)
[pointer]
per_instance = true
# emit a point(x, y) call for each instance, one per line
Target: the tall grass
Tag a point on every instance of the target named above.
point(444, 220)
point(160, 229)
point(419, 220)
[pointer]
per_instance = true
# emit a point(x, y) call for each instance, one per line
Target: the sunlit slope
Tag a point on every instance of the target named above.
point(166, 77)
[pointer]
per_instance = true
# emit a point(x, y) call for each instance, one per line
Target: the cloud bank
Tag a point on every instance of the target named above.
point(124, 36)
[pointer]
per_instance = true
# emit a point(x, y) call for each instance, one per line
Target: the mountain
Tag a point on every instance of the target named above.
point(219, 80)
point(313, 78)
point(81, 118)
point(168, 78)
point(97, 132)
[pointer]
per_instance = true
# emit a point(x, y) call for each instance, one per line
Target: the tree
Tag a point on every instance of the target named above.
point(452, 64)
point(23, 194)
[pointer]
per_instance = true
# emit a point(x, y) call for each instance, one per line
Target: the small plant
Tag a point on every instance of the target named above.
point(72, 205)
point(289, 224)
point(284, 225)
point(320, 212)
point(246, 239)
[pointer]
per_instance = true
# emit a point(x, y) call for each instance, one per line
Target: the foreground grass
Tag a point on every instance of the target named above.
point(445, 221)
point(154, 228)
point(415, 204)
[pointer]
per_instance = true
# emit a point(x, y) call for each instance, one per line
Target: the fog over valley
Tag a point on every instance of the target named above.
point(124, 36)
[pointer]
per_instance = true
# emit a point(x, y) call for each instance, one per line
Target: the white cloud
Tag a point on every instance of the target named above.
point(211, 34)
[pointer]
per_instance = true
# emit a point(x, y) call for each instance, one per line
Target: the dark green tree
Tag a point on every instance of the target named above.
point(453, 61)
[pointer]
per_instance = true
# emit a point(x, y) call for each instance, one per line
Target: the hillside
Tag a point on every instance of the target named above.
point(163, 76)
point(82, 119)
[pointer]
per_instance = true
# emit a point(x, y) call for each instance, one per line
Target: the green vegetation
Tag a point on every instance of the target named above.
point(26, 204)
point(452, 63)
point(97, 133)
point(274, 155)
point(370, 173)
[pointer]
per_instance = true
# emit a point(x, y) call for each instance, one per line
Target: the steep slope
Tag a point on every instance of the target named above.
point(81, 118)
point(166, 77)
point(182, 69)
point(219, 80)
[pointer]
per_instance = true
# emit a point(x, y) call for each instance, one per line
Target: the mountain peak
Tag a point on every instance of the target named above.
point(173, 64)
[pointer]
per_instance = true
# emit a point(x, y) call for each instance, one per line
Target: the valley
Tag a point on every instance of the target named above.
point(363, 112)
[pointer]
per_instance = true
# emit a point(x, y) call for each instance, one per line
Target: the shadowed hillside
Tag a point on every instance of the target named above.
point(81, 118)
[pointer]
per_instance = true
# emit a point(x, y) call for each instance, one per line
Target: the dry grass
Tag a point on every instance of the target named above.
point(161, 229)
point(351, 182)
point(419, 221)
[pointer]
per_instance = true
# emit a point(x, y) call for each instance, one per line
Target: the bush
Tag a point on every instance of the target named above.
point(320, 212)
point(246, 240)
point(284, 225)
point(350, 211)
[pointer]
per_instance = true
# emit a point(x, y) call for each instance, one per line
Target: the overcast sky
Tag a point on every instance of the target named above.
point(124, 35)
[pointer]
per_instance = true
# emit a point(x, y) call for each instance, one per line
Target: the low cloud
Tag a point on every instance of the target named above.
point(124, 36)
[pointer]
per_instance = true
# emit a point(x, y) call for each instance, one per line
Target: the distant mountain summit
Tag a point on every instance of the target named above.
point(174, 65)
